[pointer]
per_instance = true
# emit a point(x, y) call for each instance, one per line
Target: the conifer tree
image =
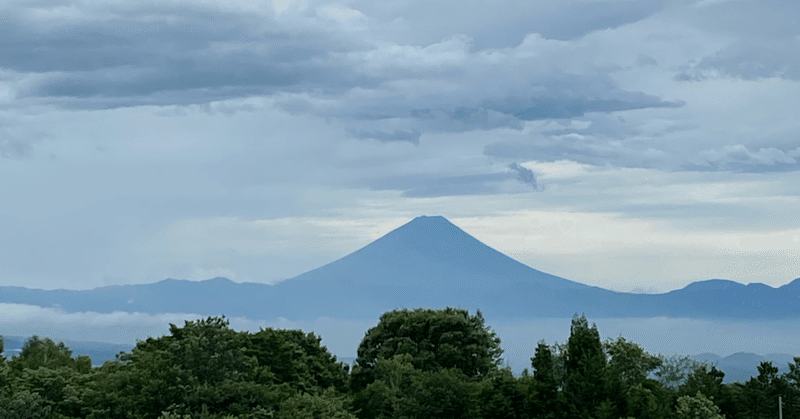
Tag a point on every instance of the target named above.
point(585, 375)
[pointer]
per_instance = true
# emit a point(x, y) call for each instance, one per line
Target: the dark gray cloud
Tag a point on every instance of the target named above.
point(173, 55)
point(410, 136)
point(525, 175)
point(495, 102)
point(537, 108)
point(564, 96)
point(165, 54)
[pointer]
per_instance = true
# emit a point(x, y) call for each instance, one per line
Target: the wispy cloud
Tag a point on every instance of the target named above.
point(525, 175)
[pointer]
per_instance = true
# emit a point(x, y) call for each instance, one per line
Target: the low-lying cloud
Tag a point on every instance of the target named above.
point(667, 336)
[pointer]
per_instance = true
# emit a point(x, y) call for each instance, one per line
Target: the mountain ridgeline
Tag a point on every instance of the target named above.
point(428, 262)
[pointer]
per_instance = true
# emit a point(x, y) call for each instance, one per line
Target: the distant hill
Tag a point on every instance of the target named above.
point(741, 366)
point(428, 262)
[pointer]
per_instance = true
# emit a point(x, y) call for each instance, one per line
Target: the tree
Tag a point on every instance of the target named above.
point(24, 404)
point(791, 398)
point(61, 389)
point(297, 358)
point(199, 369)
point(758, 397)
point(206, 369)
point(402, 391)
point(434, 340)
point(44, 353)
point(542, 399)
point(327, 405)
point(708, 380)
point(500, 396)
point(46, 375)
point(424, 363)
point(585, 388)
point(633, 393)
point(697, 407)
point(383, 398)
point(673, 371)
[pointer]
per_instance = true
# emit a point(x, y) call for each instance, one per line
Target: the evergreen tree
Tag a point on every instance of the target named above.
point(585, 389)
point(791, 397)
point(758, 397)
point(500, 396)
point(542, 399)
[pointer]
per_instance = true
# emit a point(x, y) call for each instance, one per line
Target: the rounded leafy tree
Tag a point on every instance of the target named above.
point(432, 340)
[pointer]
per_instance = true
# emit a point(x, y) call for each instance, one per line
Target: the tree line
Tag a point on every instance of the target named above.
point(414, 364)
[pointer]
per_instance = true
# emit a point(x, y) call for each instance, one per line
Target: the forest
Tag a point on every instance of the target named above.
point(420, 363)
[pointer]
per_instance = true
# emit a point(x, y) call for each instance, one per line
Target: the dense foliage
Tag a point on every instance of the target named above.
point(413, 364)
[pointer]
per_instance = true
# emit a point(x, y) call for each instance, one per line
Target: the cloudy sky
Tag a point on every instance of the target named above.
point(634, 145)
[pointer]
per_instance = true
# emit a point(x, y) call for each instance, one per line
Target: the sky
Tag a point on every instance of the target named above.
point(637, 146)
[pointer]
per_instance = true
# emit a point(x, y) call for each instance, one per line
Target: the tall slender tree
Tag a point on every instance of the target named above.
point(585, 387)
point(542, 399)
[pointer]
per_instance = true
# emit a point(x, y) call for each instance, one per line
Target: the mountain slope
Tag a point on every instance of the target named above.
point(431, 251)
point(428, 262)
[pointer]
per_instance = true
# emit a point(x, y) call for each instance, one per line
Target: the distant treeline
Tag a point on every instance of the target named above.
point(413, 364)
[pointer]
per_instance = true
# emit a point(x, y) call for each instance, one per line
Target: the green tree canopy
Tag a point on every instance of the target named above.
point(434, 339)
point(44, 353)
point(206, 368)
point(298, 359)
point(697, 407)
point(401, 391)
point(632, 392)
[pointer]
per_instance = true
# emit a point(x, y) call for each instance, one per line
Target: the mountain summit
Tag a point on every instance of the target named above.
point(432, 252)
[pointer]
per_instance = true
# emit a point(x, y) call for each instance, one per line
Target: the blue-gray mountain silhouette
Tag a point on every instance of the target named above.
point(741, 366)
point(428, 262)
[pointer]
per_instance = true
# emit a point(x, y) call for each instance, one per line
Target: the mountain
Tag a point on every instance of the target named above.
point(741, 366)
point(431, 252)
point(428, 262)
